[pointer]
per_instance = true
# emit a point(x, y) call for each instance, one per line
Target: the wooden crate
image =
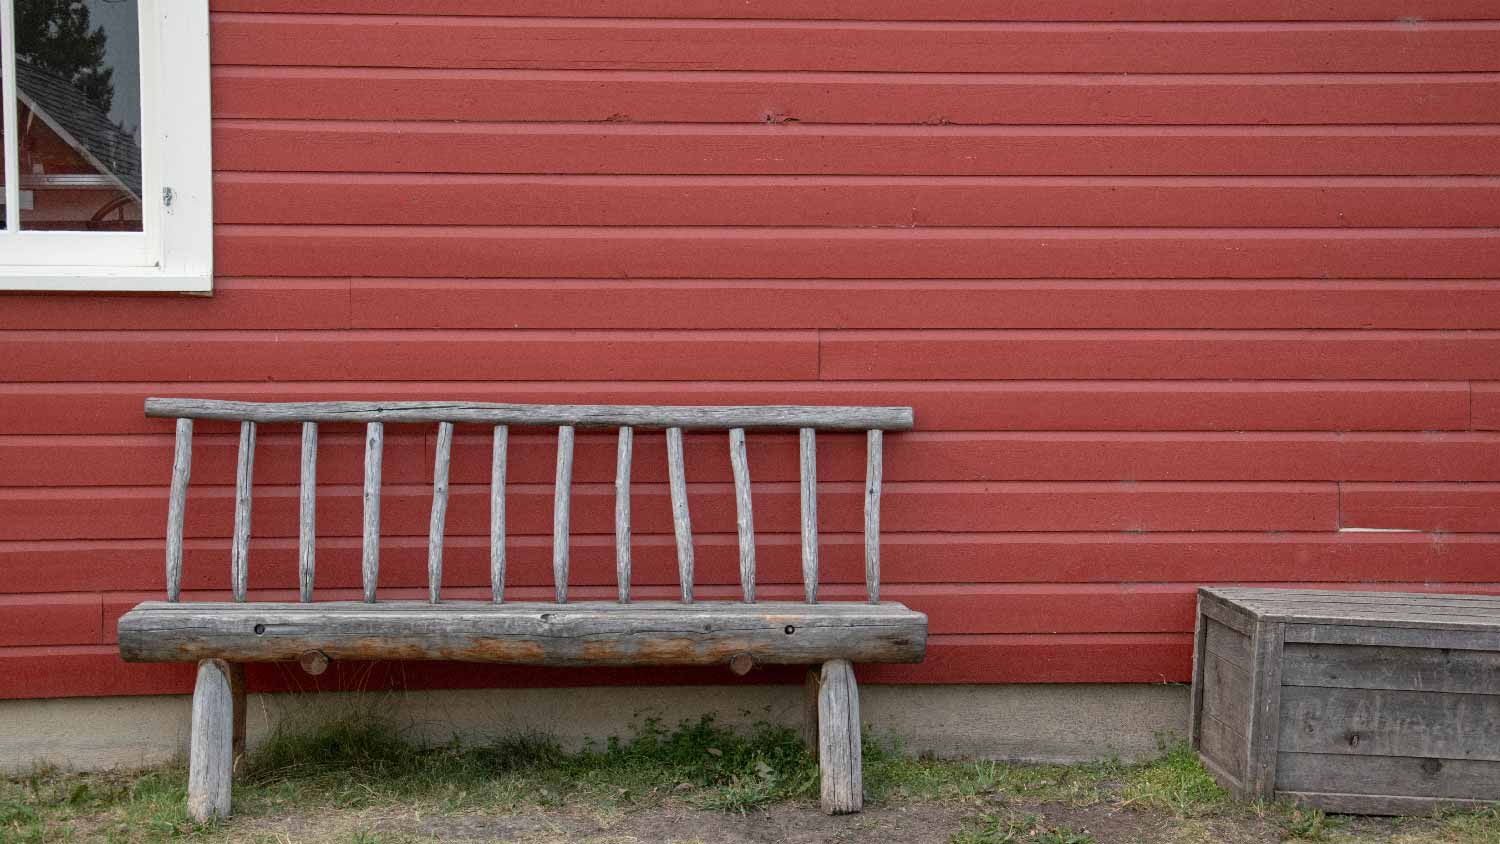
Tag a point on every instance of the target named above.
point(1361, 702)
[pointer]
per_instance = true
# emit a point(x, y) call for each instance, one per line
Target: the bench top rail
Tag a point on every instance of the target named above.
point(807, 420)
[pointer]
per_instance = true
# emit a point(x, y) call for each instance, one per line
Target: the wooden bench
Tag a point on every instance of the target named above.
point(221, 636)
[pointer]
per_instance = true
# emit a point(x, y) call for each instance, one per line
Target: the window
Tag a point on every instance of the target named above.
point(107, 173)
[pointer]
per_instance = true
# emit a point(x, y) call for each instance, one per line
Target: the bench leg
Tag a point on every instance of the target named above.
point(839, 757)
point(211, 751)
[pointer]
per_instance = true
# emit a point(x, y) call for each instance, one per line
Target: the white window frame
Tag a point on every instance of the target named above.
point(174, 250)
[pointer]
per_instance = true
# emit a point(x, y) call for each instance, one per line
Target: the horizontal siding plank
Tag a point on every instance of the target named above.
point(1429, 507)
point(1449, 563)
point(910, 201)
point(709, 149)
point(142, 460)
point(856, 98)
point(951, 355)
point(383, 41)
point(51, 620)
point(582, 252)
point(102, 407)
point(1164, 354)
point(81, 671)
point(756, 304)
point(753, 304)
point(899, 10)
point(366, 355)
point(38, 514)
point(1486, 407)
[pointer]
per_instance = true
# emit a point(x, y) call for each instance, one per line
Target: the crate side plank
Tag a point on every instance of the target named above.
point(1265, 708)
point(1400, 776)
point(1225, 746)
point(1380, 804)
point(1370, 722)
point(1227, 642)
point(1391, 636)
point(1372, 667)
point(1226, 692)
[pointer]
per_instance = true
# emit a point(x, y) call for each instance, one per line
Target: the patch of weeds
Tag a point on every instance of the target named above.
point(1303, 824)
point(1014, 828)
point(1176, 782)
point(1480, 826)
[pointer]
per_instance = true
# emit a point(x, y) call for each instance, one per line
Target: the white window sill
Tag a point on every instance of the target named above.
point(104, 280)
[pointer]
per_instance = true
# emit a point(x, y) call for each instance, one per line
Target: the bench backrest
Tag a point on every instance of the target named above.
point(807, 420)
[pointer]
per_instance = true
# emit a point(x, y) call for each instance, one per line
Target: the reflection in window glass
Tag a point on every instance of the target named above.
point(78, 82)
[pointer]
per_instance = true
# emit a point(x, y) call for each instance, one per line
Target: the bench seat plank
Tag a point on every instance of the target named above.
point(577, 634)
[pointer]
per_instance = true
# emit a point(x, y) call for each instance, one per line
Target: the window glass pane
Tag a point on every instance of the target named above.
point(78, 80)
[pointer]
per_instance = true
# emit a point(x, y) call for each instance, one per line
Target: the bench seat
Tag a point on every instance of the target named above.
point(526, 633)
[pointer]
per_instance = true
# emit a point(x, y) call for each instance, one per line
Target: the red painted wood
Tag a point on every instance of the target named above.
point(1426, 507)
point(422, 355)
point(359, 41)
point(1034, 558)
point(734, 97)
point(52, 620)
point(953, 406)
point(935, 10)
point(1160, 354)
point(1177, 290)
point(863, 303)
point(708, 149)
point(120, 513)
point(860, 253)
point(1228, 202)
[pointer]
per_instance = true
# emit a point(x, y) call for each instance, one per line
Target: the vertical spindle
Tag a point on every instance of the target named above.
point(744, 520)
point(370, 551)
point(239, 552)
point(874, 468)
point(497, 513)
point(808, 440)
point(307, 529)
point(439, 511)
point(622, 512)
point(182, 466)
point(561, 511)
point(682, 524)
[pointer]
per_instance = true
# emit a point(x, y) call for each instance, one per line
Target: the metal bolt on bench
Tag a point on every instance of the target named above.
point(221, 636)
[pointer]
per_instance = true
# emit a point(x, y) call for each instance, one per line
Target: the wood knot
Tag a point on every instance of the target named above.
point(314, 662)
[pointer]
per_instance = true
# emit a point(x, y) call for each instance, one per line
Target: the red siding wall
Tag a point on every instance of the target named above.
point(1181, 290)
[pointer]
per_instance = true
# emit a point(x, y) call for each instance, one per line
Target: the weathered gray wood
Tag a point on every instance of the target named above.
point(1222, 744)
point(313, 662)
point(832, 418)
point(1227, 642)
point(1390, 723)
point(642, 633)
point(1265, 711)
point(839, 754)
point(1227, 691)
point(682, 525)
point(370, 549)
point(238, 712)
point(1401, 776)
point(1195, 694)
point(182, 467)
point(562, 510)
point(874, 469)
point(1376, 609)
point(497, 513)
point(622, 512)
point(307, 512)
point(1379, 804)
point(808, 450)
point(1253, 596)
point(441, 458)
point(741, 663)
point(1472, 639)
point(211, 747)
point(1415, 669)
point(1234, 617)
point(744, 518)
point(239, 549)
point(810, 682)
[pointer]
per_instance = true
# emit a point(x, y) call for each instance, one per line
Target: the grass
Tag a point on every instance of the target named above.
point(361, 765)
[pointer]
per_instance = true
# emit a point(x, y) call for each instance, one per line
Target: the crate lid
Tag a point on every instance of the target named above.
point(1375, 609)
